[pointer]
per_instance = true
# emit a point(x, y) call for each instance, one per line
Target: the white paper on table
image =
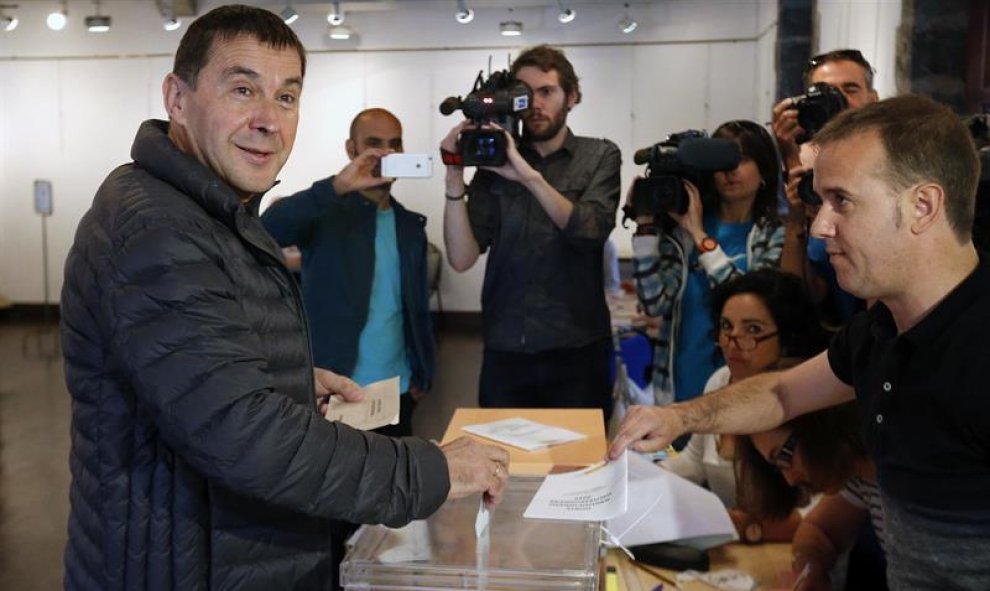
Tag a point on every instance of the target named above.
point(524, 433)
point(665, 507)
point(379, 407)
point(594, 493)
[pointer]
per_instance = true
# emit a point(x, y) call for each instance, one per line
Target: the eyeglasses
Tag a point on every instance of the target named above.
point(839, 55)
point(744, 342)
point(783, 459)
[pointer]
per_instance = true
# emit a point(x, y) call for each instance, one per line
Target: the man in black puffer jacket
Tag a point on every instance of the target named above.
point(199, 460)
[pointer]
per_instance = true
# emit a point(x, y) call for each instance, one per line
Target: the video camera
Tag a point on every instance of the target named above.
point(683, 155)
point(815, 108)
point(502, 100)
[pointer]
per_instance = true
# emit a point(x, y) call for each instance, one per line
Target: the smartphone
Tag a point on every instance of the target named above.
point(411, 166)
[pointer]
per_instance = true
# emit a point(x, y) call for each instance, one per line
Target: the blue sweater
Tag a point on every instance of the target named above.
point(336, 236)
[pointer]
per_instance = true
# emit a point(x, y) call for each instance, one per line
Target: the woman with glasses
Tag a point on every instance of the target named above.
point(820, 452)
point(728, 229)
point(763, 319)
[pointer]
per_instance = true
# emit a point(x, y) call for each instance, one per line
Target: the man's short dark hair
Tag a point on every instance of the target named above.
point(548, 58)
point(839, 55)
point(924, 141)
point(229, 22)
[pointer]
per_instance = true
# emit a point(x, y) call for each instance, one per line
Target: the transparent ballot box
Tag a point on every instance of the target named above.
point(443, 551)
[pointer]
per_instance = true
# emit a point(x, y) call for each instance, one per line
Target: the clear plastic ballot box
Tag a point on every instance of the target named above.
point(443, 551)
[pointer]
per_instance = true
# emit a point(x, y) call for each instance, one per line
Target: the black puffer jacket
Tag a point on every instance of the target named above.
point(198, 460)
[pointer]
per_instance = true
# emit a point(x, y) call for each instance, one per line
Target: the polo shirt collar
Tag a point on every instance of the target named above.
point(941, 316)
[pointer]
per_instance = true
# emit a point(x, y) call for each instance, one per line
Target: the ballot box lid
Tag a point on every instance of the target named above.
point(443, 551)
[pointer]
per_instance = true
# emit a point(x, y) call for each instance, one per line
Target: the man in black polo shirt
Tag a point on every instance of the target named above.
point(898, 180)
point(545, 216)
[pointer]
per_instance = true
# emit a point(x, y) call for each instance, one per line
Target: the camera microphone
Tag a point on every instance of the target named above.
point(450, 104)
point(709, 154)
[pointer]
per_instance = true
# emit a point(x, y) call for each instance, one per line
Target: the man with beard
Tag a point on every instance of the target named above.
point(545, 215)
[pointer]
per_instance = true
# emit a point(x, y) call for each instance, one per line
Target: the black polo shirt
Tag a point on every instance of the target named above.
point(544, 287)
point(924, 399)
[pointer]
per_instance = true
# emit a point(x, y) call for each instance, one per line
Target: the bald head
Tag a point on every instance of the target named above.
point(374, 128)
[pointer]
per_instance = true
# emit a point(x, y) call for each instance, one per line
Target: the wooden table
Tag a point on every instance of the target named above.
point(763, 562)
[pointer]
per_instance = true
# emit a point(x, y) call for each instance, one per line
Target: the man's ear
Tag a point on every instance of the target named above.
point(927, 206)
point(351, 148)
point(572, 99)
point(174, 92)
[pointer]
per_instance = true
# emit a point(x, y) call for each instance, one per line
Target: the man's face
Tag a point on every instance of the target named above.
point(850, 78)
point(861, 218)
point(375, 130)
point(548, 113)
point(241, 118)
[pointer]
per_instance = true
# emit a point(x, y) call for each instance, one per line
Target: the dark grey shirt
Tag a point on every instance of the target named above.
point(543, 286)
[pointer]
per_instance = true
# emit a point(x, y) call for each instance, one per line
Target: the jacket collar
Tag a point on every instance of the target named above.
point(154, 151)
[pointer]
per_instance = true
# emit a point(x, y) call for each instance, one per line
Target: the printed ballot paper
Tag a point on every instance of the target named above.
point(523, 433)
point(595, 493)
point(664, 507)
point(379, 407)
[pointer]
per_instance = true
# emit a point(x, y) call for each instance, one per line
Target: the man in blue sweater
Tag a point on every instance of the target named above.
point(363, 273)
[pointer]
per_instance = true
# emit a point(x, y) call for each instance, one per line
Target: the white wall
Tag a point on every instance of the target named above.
point(70, 103)
point(867, 25)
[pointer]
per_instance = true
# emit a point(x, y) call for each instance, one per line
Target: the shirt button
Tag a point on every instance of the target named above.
point(887, 387)
point(879, 419)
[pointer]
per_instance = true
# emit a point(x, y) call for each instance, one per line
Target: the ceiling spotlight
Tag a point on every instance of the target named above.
point(464, 14)
point(57, 20)
point(171, 23)
point(97, 23)
point(7, 22)
point(336, 16)
point(289, 14)
point(566, 14)
point(510, 28)
point(627, 24)
point(340, 32)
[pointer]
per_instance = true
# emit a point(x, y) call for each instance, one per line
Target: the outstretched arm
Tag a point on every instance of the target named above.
point(759, 403)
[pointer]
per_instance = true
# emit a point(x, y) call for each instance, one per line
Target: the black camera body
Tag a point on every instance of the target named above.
point(501, 100)
point(816, 107)
point(681, 156)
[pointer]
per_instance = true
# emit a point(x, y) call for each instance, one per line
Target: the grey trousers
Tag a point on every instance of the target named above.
point(928, 554)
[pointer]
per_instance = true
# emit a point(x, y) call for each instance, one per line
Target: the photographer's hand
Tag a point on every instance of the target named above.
point(786, 129)
point(359, 174)
point(558, 207)
point(796, 213)
point(691, 221)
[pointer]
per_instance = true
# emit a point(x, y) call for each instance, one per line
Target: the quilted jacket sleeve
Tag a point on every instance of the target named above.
point(183, 338)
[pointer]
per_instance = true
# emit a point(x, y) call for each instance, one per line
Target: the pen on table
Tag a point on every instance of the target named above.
point(801, 577)
point(656, 573)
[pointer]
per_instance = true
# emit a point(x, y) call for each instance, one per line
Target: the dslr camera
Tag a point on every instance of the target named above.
point(681, 156)
point(815, 108)
point(500, 99)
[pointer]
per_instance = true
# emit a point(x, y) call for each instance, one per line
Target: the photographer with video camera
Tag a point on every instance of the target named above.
point(545, 214)
point(681, 253)
point(836, 80)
